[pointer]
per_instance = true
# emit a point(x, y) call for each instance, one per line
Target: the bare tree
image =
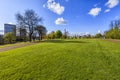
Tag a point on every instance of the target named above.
point(41, 31)
point(29, 20)
point(115, 23)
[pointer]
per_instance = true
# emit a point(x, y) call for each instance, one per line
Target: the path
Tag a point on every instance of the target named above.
point(114, 40)
point(15, 47)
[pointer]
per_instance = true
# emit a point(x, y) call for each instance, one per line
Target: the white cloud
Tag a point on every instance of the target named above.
point(55, 7)
point(10, 23)
point(107, 10)
point(117, 17)
point(60, 21)
point(87, 33)
point(95, 11)
point(96, 4)
point(99, 31)
point(112, 3)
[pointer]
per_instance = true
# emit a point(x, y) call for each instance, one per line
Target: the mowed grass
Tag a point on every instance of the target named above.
point(83, 59)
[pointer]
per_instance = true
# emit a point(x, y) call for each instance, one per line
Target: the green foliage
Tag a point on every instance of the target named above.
point(1, 40)
point(55, 35)
point(99, 35)
point(84, 59)
point(58, 34)
point(9, 37)
point(113, 33)
point(65, 34)
point(51, 35)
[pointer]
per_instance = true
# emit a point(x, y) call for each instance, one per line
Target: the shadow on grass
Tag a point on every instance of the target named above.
point(64, 41)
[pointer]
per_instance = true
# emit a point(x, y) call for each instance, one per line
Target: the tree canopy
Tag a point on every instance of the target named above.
point(29, 20)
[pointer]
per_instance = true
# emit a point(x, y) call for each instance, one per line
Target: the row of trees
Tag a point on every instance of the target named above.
point(57, 34)
point(114, 31)
point(39, 34)
point(28, 28)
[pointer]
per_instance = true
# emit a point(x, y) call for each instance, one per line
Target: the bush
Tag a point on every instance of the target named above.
point(10, 37)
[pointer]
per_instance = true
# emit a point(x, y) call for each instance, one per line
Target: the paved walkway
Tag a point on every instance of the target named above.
point(15, 46)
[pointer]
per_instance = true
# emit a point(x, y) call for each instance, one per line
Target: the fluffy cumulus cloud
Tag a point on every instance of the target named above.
point(55, 7)
point(112, 3)
point(94, 11)
point(60, 21)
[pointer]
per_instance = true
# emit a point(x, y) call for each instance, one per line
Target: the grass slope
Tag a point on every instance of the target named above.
point(62, 60)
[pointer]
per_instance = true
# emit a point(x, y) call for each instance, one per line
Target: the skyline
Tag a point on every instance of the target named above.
point(75, 16)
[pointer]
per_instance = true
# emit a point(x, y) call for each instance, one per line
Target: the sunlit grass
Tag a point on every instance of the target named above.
point(84, 59)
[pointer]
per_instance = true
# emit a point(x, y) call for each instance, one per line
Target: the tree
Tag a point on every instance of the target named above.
point(10, 37)
point(21, 34)
point(1, 39)
point(51, 35)
point(114, 32)
point(41, 31)
point(98, 35)
point(65, 35)
point(115, 23)
point(29, 20)
point(58, 34)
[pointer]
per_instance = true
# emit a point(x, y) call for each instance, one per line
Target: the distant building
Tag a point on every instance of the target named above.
point(9, 28)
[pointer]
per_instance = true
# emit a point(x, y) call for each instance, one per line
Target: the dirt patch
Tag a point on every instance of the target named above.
point(113, 40)
point(15, 47)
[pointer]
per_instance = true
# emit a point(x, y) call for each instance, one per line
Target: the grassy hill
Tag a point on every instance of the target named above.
point(84, 59)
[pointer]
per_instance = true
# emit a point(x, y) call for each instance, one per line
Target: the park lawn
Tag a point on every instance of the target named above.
point(82, 59)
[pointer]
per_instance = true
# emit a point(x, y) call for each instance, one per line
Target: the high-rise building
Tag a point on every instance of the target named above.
point(9, 28)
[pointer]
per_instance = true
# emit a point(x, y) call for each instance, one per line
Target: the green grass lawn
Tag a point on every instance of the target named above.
point(84, 59)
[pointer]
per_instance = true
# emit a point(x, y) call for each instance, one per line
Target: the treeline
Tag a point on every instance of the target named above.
point(28, 28)
point(114, 31)
point(57, 35)
point(22, 36)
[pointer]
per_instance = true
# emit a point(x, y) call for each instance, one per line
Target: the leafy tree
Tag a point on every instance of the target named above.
point(58, 34)
point(1, 39)
point(114, 32)
point(41, 31)
point(98, 35)
point(29, 20)
point(10, 37)
point(51, 35)
point(65, 35)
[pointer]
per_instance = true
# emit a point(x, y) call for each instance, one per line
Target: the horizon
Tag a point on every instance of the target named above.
point(74, 16)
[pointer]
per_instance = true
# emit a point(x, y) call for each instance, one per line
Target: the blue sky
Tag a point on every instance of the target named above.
point(76, 16)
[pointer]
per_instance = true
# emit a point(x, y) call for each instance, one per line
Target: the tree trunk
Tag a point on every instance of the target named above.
point(30, 37)
point(41, 37)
